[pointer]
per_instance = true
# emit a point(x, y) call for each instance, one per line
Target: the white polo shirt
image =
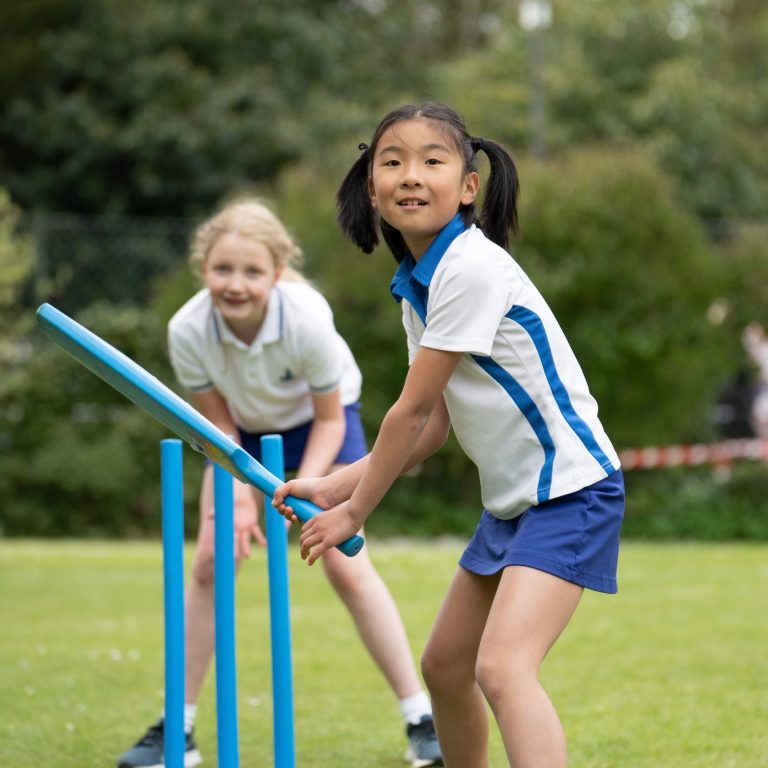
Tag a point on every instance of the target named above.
point(267, 385)
point(519, 403)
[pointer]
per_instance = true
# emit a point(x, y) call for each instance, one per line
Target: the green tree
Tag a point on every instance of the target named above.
point(162, 109)
point(138, 114)
point(77, 458)
point(683, 80)
point(631, 277)
point(15, 268)
point(15, 261)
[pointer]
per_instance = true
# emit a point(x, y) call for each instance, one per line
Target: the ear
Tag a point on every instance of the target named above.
point(371, 192)
point(471, 187)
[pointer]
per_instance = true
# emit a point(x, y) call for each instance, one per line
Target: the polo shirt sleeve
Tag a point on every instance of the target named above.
point(466, 304)
point(186, 361)
point(411, 336)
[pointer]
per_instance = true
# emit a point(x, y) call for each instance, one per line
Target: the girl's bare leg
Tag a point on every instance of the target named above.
point(376, 616)
point(530, 610)
point(199, 599)
point(199, 608)
point(448, 665)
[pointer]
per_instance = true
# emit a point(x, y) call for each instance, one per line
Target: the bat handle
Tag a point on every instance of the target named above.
point(306, 510)
point(352, 546)
point(251, 471)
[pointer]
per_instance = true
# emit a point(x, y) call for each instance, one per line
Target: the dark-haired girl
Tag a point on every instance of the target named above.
point(488, 358)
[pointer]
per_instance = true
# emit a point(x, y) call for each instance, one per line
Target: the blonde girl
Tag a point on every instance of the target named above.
point(257, 350)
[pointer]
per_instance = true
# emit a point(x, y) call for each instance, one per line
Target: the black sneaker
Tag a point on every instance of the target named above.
point(147, 752)
point(423, 749)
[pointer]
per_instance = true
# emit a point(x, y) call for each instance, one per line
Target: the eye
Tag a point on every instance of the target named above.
point(253, 272)
point(222, 269)
point(433, 161)
point(391, 163)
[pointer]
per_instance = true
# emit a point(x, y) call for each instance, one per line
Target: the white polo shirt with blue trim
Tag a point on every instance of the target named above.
point(519, 403)
point(268, 384)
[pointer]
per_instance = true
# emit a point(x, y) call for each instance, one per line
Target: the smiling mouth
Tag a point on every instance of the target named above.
point(411, 203)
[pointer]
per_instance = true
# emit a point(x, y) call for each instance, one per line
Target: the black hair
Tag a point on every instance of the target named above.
point(359, 220)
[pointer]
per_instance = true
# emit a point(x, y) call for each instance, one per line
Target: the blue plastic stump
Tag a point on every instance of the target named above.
point(279, 613)
point(224, 610)
point(173, 594)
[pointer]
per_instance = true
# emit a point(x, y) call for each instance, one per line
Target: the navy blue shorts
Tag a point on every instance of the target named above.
point(295, 440)
point(575, 537)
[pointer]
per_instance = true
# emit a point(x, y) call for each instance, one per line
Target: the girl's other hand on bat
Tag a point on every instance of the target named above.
point(326, 530)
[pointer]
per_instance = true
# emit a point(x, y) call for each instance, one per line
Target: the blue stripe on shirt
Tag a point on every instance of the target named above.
point(533, 325)
point(533, 415)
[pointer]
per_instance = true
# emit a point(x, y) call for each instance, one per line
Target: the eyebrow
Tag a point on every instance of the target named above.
point(425, 148)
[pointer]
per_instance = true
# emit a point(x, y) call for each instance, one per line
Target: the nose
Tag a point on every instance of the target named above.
point(411, 175)
point(235, 281)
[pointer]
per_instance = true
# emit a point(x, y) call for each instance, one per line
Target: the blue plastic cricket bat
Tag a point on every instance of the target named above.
point(139, 386)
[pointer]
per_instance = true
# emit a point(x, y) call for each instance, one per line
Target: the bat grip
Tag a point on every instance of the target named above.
point(305, 510)
point(251, 471)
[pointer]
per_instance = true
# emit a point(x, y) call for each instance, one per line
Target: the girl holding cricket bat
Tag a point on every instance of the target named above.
point(487, 358)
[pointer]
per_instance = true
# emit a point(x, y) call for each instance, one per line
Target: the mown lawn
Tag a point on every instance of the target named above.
point(672, 672)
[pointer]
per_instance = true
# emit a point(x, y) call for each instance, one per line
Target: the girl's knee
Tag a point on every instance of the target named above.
point(442, 669)
point(202, 570)
point(431, 668)
point(502, 675)
point(346, 576)
point(486, 677)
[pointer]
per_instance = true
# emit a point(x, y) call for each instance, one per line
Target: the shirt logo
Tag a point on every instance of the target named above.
point(287, 376)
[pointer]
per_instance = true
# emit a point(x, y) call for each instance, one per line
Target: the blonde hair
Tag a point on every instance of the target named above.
point(251, 218)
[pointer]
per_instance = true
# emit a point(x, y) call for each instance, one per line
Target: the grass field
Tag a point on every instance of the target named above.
point(672, 672)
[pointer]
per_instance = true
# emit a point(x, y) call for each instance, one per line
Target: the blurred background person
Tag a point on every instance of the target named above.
point(755, 343)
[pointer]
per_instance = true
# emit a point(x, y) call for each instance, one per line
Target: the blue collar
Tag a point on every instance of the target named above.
point(412, 277)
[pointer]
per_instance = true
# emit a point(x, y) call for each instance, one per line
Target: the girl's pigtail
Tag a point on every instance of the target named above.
point(499, 214)
point(394, 240)
point(356, 216)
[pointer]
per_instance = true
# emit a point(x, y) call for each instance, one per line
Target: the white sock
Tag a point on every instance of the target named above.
point(190, 713)
point(415, 707)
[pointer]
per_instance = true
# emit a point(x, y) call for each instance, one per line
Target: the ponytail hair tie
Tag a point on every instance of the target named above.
point(362, 147)
point(477, 144)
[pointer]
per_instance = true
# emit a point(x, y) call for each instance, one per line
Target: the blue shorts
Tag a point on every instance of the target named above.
point(575, 537)
point(295, 440)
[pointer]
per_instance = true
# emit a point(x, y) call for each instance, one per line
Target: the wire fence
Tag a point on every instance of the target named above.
point(83, 259)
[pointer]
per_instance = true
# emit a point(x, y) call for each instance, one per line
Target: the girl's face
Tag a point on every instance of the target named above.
point(419, 181)
point(240, 274)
